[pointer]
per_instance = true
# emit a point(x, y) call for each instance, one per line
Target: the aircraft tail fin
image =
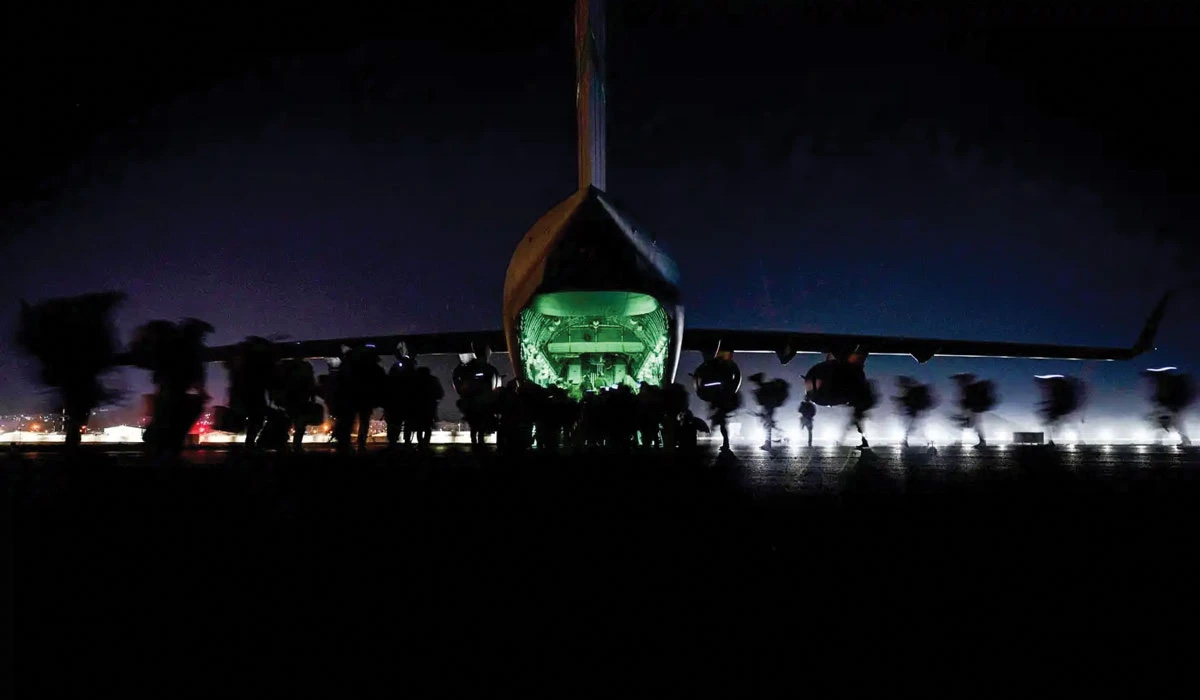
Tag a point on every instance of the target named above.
point(589, 92)
point(1145, 341)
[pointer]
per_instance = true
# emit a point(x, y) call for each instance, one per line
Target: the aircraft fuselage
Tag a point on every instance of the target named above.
point(590, 302)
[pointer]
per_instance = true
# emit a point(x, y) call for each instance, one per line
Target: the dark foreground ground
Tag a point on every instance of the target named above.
point(461, 574)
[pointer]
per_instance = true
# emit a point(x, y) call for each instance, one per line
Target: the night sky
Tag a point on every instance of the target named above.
point(926, 172)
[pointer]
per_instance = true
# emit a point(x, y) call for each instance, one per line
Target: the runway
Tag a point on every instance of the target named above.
point(786, 470)
point(460, 569)
point(826, 469)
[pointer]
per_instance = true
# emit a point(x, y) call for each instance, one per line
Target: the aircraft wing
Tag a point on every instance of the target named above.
point(415, 344)
point(787, 344)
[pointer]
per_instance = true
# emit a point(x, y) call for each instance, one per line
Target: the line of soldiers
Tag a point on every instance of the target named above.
point(1172, 394)
point(271, 399)
point(525, 415)
point(267, 398)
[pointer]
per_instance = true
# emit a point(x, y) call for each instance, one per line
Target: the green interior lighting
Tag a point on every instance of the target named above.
point(586, 341)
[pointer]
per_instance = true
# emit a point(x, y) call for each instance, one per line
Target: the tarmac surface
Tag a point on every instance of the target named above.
point(784, 470)
point(453, 573)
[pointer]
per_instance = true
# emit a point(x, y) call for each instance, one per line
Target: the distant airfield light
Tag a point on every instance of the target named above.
point(1162, 369)
point(1047, 376)
point(712, 384)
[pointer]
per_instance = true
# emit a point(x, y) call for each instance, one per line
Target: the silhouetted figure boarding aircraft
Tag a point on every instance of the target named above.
point(915, 400)
point(1061, 397)
point(976, 397)
point(1173, 393)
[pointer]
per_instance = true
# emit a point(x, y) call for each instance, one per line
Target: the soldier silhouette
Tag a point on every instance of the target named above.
point(976, 397)
point(337, 391)
point(808, 411)
point(689, 427)
point(75, 341)
point(174, 355)
point(296, 391)
point(914, 400)
point(721, 410)
point(651, 405)
point(428, 394)
point(675, 402)
point(770, 395)
point(861, 404)
point(365, 380)
point(1061, 396)
point(476, 382)
point(1172, 394)
point(251, 370)
point(395, 387)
